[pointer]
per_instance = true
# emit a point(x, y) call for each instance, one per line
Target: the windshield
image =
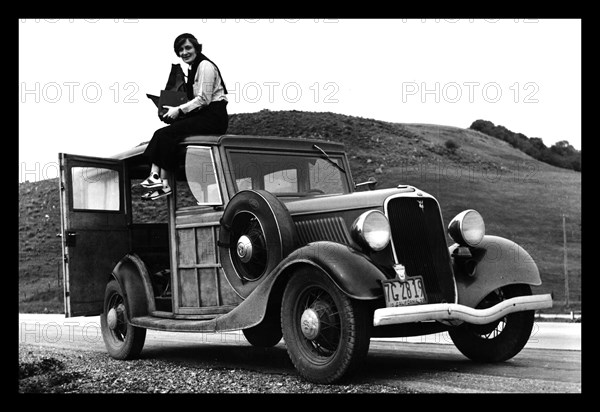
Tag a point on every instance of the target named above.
point(293, 175)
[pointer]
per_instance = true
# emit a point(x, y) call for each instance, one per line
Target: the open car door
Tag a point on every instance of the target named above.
point(93, 228)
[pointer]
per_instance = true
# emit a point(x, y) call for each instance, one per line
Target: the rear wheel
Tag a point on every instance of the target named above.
point(122, 340)
point(326, 333)
point(499, 340)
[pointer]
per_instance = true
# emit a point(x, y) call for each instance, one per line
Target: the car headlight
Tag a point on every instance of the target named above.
point(467, 228)
point(372, 229)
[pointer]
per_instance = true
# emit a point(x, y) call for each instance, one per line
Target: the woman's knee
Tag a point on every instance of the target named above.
point(162, 137)
point(161, 133)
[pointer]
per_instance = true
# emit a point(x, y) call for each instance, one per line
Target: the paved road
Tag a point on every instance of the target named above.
point(550, 362)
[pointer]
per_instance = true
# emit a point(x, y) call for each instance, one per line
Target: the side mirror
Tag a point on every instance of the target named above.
point(371, 183)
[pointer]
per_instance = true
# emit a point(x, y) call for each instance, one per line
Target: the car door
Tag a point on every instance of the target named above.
point(94, 228)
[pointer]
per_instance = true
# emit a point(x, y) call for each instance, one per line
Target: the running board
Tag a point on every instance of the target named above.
point(175, 325)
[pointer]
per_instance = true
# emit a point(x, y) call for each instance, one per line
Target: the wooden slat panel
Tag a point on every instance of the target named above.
point(188, 284)
point(205, 245)
point(193, 218)
point(208, 287)
point(202, 283)
point(228, 295)
point(187, 247)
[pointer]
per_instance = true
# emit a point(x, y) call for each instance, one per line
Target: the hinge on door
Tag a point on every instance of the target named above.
point(62, 186)
point(66, 258)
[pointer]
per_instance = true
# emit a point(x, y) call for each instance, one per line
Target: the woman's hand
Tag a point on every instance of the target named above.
point(172, 113)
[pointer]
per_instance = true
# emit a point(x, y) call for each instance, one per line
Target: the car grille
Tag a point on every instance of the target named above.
point(419, 240)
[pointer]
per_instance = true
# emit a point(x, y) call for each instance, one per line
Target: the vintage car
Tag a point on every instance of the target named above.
point(271, 236)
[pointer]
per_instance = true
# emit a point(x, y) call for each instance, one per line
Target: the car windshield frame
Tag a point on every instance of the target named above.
point(290, 174)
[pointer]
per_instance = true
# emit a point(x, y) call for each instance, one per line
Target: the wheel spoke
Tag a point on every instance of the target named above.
point(327, 311)
point(321, 350)
point(326, 342)
point(327, 325)
point(323, 337)
point(316, 298)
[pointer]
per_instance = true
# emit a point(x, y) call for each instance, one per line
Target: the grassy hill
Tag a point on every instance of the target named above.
point(520, 198)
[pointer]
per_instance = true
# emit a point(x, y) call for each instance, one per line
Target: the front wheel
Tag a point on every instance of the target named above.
point(500, 340)
point(122, 340)
point(326, 333)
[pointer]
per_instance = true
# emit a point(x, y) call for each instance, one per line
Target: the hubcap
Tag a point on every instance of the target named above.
point(244, 249)
point(310, 324)
point(111, 318)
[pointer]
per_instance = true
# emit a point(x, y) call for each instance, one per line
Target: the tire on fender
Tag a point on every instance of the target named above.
point(256, 233)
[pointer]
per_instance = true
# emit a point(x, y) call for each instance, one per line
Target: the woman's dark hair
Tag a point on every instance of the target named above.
point(179, 40)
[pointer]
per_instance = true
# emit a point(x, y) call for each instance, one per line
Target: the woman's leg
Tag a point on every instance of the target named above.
point(162, 148)
point(165, 176)
point(153, 181)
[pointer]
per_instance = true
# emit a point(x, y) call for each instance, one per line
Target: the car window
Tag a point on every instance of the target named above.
point(201, 185)
point(95, 188)
point(287, 174)
point(282, 181)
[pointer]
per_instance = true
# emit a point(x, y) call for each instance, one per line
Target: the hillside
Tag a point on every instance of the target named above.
point(519, 197)
point(561, 154)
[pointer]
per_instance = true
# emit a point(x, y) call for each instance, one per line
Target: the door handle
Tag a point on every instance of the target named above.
point(71, 238)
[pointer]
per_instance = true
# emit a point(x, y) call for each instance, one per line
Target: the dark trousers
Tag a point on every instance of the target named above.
point(162, 148)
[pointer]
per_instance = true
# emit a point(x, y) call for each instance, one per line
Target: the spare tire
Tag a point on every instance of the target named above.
point(256, 233)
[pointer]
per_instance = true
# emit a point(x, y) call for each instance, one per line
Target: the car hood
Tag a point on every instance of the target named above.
point(356, 200)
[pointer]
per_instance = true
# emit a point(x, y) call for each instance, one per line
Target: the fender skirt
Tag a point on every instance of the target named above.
point(499, 262)
point(349, 270)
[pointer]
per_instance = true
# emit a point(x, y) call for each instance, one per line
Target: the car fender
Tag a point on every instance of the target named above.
point(351, 271)
point(495, 262)
point(133, 277)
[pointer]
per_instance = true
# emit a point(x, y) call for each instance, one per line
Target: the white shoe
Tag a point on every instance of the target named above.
point(152, 182)
point(157, 194)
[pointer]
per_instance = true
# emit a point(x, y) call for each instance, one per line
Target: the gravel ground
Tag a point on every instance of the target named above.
point(58, 370)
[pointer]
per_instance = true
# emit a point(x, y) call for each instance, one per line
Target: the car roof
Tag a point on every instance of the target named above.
point(245, 141)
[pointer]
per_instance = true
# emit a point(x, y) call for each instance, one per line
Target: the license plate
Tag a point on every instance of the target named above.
point(410, 292)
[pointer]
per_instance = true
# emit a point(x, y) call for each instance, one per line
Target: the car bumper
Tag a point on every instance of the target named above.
point(454, 313)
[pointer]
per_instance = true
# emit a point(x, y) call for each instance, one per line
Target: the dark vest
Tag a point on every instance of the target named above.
point(192, 74)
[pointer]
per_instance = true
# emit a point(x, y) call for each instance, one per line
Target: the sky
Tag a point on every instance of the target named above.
point(83, 82)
